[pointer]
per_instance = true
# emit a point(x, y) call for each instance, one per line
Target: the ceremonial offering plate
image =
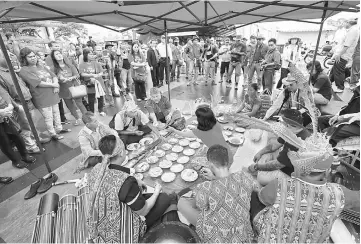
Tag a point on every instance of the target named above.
point(222, 120)
point(155, 172)
point(194, 122)
point(189, 175)
point(133, 146)
point(146, 141)
point(172, 157)
point(236, 140)
point(227, 133)
point(168, 177)
point(139, 176)
point(142, 167)
point(183, 160)
point(176, 168)
point(195, 145)
point(240, 129)
point(173, 141)
point(184, 142)
point(152, 159)
point(228, 127)
point(199, 140)
point(163, 132)
point(189, 152)
point(165, 164)
point(177, 149)
point(191, 139)
point(159, 153)
point(178, 136)
point(191, 127)
point(166, 146)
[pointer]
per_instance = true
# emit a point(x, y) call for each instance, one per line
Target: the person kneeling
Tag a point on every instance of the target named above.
point(131, 123)
point(222, 204)
point(119, 212)
point(160, 110)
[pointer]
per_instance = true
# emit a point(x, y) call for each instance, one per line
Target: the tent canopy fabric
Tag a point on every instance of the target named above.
point(216, 17)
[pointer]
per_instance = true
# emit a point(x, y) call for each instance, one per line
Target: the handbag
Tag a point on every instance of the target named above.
point(78, 91)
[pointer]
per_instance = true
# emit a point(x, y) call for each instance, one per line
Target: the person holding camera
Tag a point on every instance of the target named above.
point(271, 63)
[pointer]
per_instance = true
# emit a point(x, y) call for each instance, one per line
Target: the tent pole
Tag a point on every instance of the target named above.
point(6, 12)
point(205, 12)
point(166, 58)
point(22, 99)
point(318, 40)
point(190, 11)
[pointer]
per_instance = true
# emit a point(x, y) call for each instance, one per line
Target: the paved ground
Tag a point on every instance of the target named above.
point(18, 216)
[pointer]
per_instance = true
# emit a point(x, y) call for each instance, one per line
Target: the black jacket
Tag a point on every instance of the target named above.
point(151, 58)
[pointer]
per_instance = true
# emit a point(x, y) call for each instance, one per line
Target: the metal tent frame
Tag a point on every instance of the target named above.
point(208, 24)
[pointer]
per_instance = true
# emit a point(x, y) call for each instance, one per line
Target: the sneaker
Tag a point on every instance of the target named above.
point(33, 189)
point(65, 122)
point(47, 183)
point(6, 180)
point(28, 159)
point(44, 140)
point(64, 131)
point(77, 122)
point(337, 90)
point(57, 137)
point(188, 84)
point(19, 164)
point(145, 99)
point(139, 99)
point(102, 114)
point(34, 150)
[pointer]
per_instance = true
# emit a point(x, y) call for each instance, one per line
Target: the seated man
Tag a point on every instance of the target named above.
point(302, 209)
point(89, 137)
point(220, 210)
point(160, 109)
point(344, 130)
point(131, 123)
point(272, 161)
point(119, 211)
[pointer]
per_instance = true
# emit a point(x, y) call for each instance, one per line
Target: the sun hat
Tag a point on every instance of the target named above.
point(130, 106)
point(195, 37)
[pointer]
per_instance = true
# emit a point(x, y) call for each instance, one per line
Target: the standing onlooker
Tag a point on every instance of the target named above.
point(162, 61)
point(138, 62)
point(153, 62)
point(177, 58)
point(256, 60)
point(355, 69)
point(91, 72)
point(225, 55)
point(201, 67)
point(186, 57)
point(194, 52)
point(12, 45)
point(322, 89)
point(238, 52)
point(68, 77)
point(44, 88)
point(72, 55)
point(250, 51)
point(209, 56)
point(272, 62)
point(291, 54)
point(126, 72)
point(343, 55)
point(91, 43)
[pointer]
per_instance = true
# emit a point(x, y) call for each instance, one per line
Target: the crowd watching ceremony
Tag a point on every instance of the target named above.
point(289, 194)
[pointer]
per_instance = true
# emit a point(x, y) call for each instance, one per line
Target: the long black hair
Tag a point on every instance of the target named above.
point(57, 67)
point(206, 119)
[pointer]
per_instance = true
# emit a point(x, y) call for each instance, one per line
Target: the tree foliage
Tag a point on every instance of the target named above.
point(70, 29)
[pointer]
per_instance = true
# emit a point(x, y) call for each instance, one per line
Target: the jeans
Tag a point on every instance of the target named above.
point(51, 117)
point(209, 67)
point(108, 84)
point(319, 99)
point(91, 100)
point(337, 73)
point(140, 92)
point(70, 103)
point(127, 79)
point(355, 69)
point(8, 135)
point(26, 133)
point(176, 64)
point(267, 81)
point(192, 68)
point(187, 61)
point(61, 111)
point(252, 68)
point(155, 73)
point(162, 69)
point(237, 67)
point(224, 68)
point(284, 73)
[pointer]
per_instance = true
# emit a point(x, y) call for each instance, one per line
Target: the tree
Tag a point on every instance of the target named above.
point(70, 29)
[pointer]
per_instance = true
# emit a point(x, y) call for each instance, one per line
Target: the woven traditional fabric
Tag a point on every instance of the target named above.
point(225, 206)
point(113, 221)
point(307, 162)
point(302, 213)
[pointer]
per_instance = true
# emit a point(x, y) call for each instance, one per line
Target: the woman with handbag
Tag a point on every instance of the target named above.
point(91, 73)
point(69, 77)
point(139, 74)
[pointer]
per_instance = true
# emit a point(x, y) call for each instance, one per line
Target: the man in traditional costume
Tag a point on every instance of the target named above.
point(304, 207)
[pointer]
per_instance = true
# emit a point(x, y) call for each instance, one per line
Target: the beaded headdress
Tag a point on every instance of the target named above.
point(287, 135)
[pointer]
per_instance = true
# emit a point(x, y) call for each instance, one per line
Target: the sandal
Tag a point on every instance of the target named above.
point(64, 131)
point(6, 180)
point(57, 137)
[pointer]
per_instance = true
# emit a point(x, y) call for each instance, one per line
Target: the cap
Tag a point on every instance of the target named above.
point(163, 36)
point(253, 37)
point(195, 38)
point(260, 37)
point(288, 80)
point(107, 44)
point(176, 39)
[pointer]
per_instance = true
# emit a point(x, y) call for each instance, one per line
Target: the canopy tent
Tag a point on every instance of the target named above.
point(207, 17)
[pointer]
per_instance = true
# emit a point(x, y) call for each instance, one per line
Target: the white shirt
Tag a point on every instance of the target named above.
point(119, 125)
point(226, 57)
point(287, 55)
point(349, 41)
point(162, 51)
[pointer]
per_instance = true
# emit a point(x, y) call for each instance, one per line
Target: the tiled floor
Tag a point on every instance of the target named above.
point(17, 215)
